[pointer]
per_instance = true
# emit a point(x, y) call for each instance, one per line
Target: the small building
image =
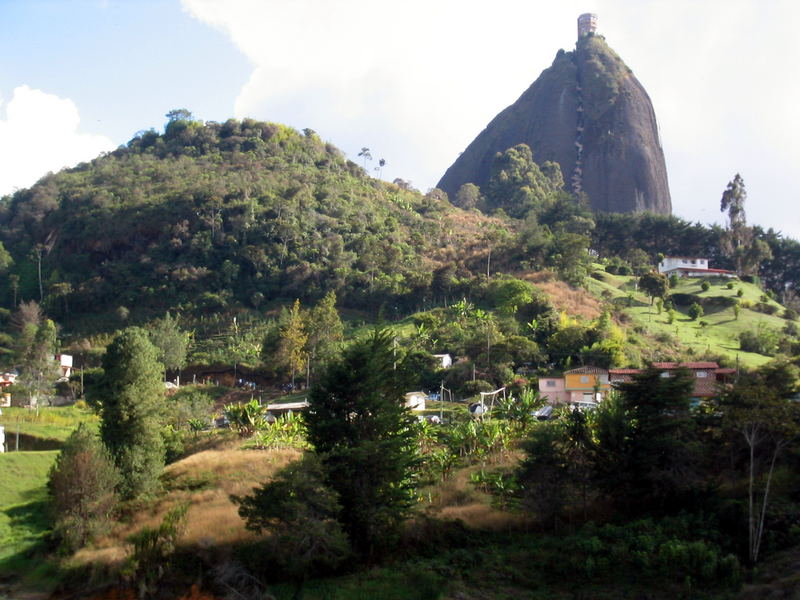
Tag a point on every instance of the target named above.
point(587, 23)
point(690, 266)
point(6, 380)
point(445, 360)
point(65, 362)
point(415, 400)
point(284, 408)
point(708, 376)
point(586, 384)
point(583, 386)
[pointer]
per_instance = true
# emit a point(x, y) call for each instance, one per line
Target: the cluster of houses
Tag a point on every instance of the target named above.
point(587, 386)
point(8, 378)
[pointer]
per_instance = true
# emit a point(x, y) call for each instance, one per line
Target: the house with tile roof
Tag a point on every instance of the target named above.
point(588, 385)
point(708, 376)
point(690, 266)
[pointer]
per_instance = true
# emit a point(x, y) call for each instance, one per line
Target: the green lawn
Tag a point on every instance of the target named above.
point(51, 423)
point(23, 518)
point(719, 336)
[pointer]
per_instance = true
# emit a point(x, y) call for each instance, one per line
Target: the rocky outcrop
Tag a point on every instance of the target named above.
point(591, 115)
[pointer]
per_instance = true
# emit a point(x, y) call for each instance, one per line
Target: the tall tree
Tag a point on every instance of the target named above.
point(365, 153)
point(654, 285)
point(130, 393)
point(325, 331)
point(738, 234)
point(359, 425)
point(38, 367)
point(654, 465)
point(172, 342)
point(292, 342)
point(760, 413)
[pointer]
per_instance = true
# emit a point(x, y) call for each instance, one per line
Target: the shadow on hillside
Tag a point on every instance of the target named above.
point(32, 516)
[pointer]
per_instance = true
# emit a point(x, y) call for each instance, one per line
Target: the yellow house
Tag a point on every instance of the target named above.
point(586, 384)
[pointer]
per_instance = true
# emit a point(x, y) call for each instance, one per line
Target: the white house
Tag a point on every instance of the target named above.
point(690, 266)
point(445, 360)
point(65, 362)
point(416, 400)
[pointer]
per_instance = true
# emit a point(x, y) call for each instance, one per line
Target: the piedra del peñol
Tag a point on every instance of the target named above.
point(588, 113)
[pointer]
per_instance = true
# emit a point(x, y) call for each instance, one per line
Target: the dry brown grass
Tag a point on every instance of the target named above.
point(576, 302)
point(205, 481)
point(456, 499)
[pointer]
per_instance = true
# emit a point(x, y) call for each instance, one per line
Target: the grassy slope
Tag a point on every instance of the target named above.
point(23, 521)
point(51, 423)
point(23, 494)
point(721, 336)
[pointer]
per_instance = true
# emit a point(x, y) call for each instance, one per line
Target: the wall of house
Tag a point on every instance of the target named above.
point(552, 389)
point(675, 262)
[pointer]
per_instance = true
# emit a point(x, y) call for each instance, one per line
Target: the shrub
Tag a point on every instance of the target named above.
point(790, 314)
point(473, 388)
point(740, 292)
point(704, 286)
point(762, 340)
point(767, 309)
point(152, 548)
point(673, 281)
point(695, 311)
point(301, 514)
point(81, 484)
point(729, 285)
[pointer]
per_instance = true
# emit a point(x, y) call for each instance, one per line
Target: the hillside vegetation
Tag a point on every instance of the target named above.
point(718, 332)
point(209, 216)
point(251, 264)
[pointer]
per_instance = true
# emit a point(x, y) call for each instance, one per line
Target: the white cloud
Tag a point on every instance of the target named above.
point(416, 81)
point(40, 134)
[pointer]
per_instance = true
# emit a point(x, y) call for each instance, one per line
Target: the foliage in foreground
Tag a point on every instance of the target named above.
point(82, 486)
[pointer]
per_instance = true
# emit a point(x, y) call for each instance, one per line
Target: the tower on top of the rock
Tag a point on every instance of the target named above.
point(587, 23)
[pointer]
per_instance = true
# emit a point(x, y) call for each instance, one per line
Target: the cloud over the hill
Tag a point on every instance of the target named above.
point(39, 133)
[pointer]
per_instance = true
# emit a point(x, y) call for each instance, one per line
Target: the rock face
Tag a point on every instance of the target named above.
point(591, 115)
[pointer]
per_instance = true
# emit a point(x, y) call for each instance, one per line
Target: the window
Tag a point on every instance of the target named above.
point(664, 374)
point(701, 374)
point(550, 383)
point(584, 379)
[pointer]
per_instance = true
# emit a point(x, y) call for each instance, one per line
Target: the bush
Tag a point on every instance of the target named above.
point(473, 388)
point(695, 311)
point(767, 309)
point(704, 286)
point(673, 281)
point(152, 548)
point(301, 514)
point(740, 292)
point(762, 340)
point(729, 285)
point(81, 485)
point(790, 314)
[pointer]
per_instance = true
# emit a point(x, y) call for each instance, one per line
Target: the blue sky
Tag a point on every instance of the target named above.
point(415, 81)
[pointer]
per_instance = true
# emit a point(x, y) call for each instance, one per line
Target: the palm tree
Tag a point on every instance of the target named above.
point(366, 154)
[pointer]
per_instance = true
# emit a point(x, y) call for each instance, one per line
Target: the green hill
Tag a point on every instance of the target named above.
point(213, 216)
point(718, 331)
